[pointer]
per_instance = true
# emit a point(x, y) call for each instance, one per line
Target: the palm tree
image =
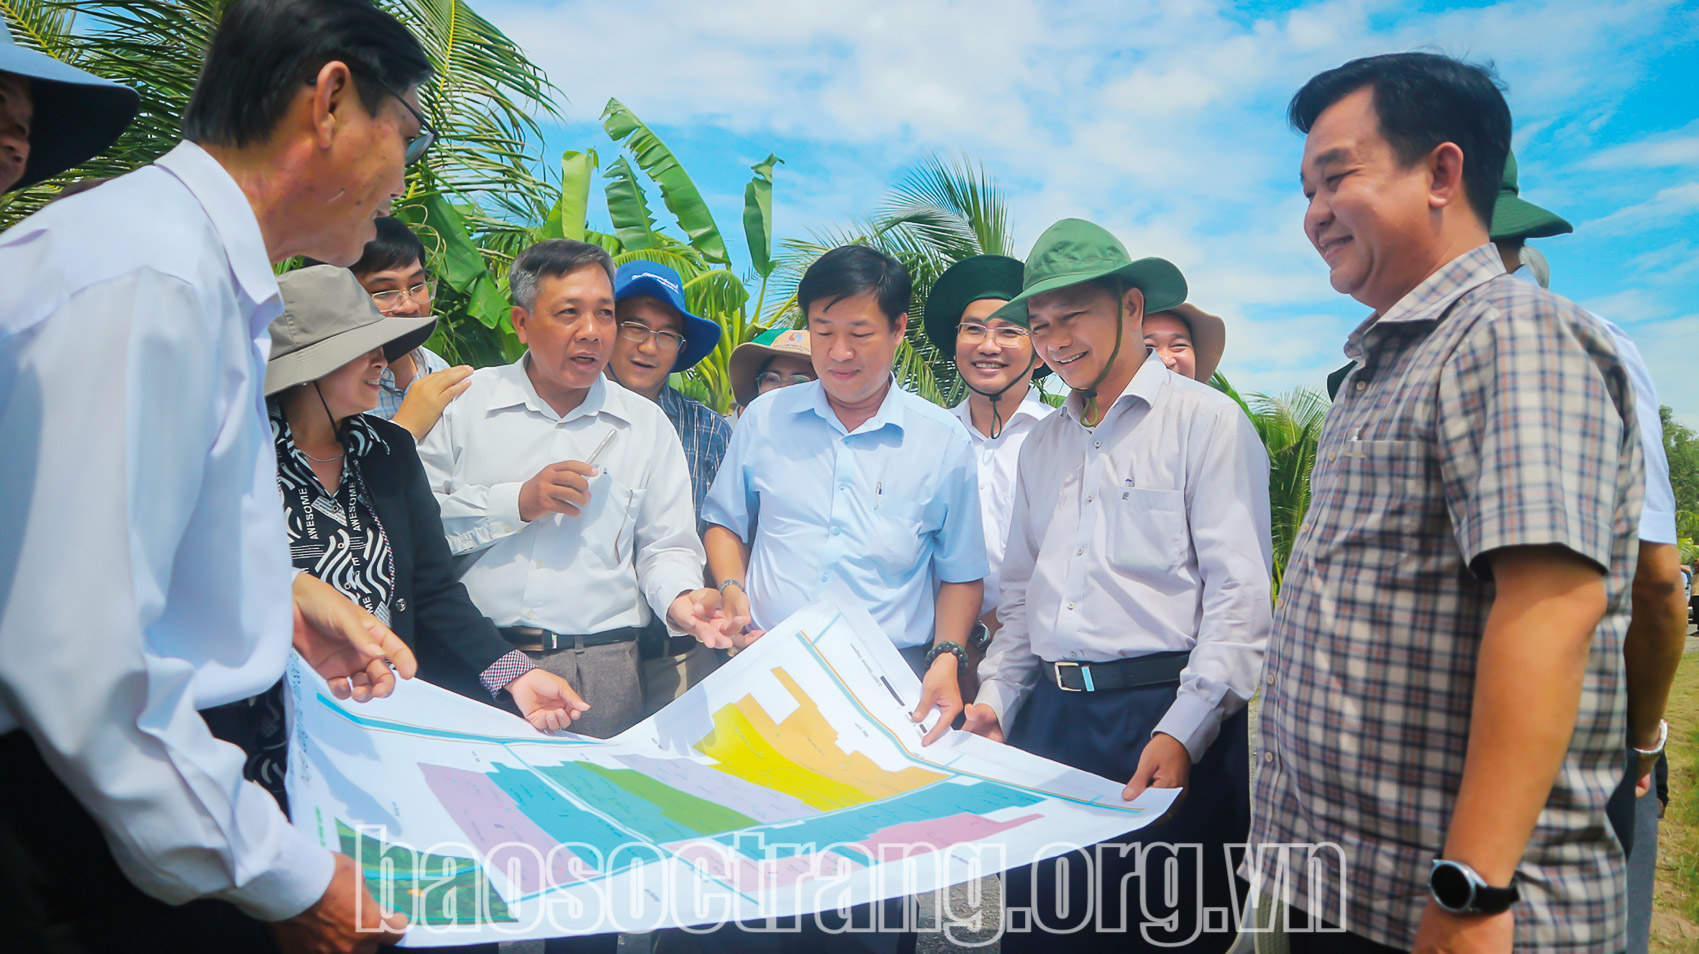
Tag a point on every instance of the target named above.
point(1290, 427)
point(482, 99)
point(940, 213)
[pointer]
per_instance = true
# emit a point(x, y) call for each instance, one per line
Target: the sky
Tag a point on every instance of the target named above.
point(1165, 123)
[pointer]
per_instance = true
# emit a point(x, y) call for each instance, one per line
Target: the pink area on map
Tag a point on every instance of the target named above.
point(900, 841)
point(511, 843)
point(750, 876)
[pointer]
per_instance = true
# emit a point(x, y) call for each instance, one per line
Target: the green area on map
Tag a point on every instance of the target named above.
point(429, 889)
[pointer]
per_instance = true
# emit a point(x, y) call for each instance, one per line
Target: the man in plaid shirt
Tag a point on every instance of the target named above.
point(1443, 696)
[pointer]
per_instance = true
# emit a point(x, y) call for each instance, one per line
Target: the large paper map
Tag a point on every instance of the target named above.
point(790, 781)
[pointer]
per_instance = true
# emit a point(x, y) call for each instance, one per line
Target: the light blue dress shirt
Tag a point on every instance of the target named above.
point(879, 516)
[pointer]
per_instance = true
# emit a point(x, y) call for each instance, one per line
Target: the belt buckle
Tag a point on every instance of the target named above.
point(1085, 676)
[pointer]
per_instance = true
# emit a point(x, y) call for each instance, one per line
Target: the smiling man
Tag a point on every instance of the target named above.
point(997, 363)
point(1134, 603)
point(659, 337)
point(850, 486)
point(570, 493)
point(1444, 691)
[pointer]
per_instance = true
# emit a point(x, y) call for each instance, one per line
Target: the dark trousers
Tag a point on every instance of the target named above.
point(62, 893)
point(1109, 903)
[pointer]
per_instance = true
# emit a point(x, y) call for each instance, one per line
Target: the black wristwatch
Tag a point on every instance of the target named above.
point(1458, 889)
point(979, 637)
point(945, 646)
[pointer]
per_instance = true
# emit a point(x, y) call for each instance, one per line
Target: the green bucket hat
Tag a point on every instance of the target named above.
point(968, 281)
point(1515, 217)
point(1074, 251)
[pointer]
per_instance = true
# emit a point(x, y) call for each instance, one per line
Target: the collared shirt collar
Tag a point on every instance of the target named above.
point(1031, 406)
point(514, 388)
point(890, 409)
point(232, 217)
point(1144, 386)
point(1429, 300)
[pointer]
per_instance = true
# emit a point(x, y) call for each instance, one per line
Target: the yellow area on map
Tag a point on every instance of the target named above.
point(800, 755)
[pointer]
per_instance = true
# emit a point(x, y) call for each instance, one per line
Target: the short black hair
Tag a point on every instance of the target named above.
point(552, 259)
point(851, 270)
point(1422, 100)
point(265, 50)
point(395, 246)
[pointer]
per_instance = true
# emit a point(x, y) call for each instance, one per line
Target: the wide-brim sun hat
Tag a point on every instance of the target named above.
point(747, 358)
point(77, 114)
point(972, 279)
point(1074, 251)
point(1515, 217)
point(1209, 337)
point(328, 320)
point(643, 277)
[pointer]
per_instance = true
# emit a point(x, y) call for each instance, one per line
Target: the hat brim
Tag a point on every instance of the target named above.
point(972, 279)
point(1516, 218)
point(745, 364)
point(1209, 337)
point(396, 336)
point(1160, 280)
point(77, 114)
point(701, 336)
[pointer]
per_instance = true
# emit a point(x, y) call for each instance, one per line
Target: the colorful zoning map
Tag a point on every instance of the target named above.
point(792, 780)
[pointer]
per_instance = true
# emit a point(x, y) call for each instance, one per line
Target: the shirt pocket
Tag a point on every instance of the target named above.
point(1147, 530)
point(610, 520)
point(894, 532)
point(1385, 502)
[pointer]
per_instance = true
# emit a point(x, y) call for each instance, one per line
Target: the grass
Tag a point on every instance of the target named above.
point(1675, 918)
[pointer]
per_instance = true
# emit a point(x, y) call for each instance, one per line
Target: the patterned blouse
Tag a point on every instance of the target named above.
point(336, 537)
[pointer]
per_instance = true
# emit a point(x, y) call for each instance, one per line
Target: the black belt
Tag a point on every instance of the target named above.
point(1134, 672)
point(552, 641)
point(657, 643)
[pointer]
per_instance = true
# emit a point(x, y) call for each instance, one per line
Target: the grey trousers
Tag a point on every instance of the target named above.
point(610, 678)
point(668, 677)
point(1642, 873)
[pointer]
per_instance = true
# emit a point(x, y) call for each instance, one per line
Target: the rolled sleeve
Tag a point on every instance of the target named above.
point(1657, 515)
point(473, 516)
point(1532, 437)
point(670, 559)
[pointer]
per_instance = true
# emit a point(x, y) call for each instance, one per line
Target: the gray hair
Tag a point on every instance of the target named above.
point(553, 258)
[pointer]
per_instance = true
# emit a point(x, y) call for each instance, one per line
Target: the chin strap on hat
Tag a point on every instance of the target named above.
point(1088, 394)
point(996, 415)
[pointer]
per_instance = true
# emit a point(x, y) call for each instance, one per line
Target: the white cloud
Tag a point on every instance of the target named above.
point(1165, 121)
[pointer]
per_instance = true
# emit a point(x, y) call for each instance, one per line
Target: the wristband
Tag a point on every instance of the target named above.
point(1663, 736)
point(945, 646)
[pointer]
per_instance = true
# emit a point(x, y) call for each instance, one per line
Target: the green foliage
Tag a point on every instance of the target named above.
point(1681, 446)
point(483, 98)
point(1290, 427)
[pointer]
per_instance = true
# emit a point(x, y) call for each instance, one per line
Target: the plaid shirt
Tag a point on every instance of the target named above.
point(1483, 413)
point(705, 436)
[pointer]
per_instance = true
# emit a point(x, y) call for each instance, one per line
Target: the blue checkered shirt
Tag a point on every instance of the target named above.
point(425, 361)
point(705, 436)
point(1482, 413)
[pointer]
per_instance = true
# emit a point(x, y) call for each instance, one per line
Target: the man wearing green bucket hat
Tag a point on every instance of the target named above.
point(997, 363)
point(1134, 600)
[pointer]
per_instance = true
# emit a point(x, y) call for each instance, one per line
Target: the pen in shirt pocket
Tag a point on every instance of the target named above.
point(596, 454)
point(878, 493)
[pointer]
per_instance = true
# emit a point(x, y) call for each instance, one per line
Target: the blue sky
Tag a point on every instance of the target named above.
point(1164, 121)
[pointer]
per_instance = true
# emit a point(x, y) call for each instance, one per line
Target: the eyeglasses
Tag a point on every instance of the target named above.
point(420, 294)
point(767, 380)
point(420, 144)
point(1007, 335)
point(637, 332)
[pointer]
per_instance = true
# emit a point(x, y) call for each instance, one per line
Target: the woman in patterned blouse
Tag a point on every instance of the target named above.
point(360, 514)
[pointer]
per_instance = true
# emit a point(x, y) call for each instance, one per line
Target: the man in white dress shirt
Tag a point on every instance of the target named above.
point(1135, 603)
point(997, 362)
point(570, 494)
point(143, 561)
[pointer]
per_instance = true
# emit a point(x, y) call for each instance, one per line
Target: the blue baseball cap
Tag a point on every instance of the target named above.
point(643, 277)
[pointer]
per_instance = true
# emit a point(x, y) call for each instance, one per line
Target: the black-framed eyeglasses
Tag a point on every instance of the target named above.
point(420, 144)
point(637, 332)
point(1007, 335)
